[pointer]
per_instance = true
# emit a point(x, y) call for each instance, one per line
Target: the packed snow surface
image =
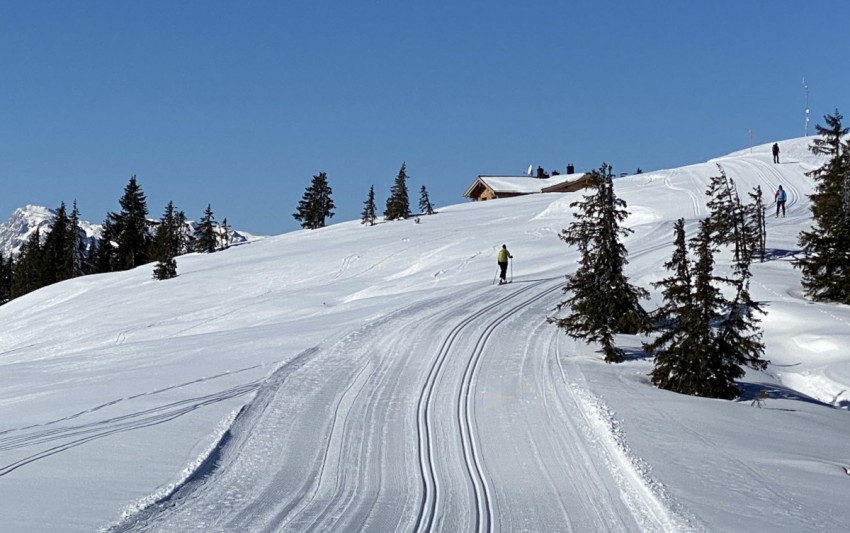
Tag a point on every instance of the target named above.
point(361, 378)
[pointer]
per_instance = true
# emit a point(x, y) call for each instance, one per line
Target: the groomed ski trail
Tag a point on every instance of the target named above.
point(409, 424)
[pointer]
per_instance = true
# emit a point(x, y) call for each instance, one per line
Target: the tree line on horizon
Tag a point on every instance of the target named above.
point(127, 239)
point(316, 204)
point(707, 328)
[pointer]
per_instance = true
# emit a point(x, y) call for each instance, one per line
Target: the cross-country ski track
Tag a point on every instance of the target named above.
point(359, 378)
point(408, 424)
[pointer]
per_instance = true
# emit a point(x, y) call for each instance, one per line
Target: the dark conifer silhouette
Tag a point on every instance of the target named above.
point(398, 204)
point(5, 278)
point(756, 224)
point(102, 254)
point(165, 245)
point(368, 216)
point(425, 206)
point(130, 228)
point(29, 266)
point(316, 205)
point(825, 264)
point(705, 337)
point(206, 240)
point(601, 301)
point(58, 251)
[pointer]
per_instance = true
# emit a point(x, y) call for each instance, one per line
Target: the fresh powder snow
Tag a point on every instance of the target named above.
point(360, 378)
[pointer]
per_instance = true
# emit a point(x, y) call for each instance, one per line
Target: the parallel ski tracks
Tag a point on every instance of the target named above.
point(429, 506)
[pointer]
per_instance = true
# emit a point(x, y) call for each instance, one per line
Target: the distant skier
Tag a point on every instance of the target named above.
point(502, 258)
point(780, 201)
point(776, 153)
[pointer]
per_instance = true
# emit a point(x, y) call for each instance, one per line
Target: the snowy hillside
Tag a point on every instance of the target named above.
point(373, 378)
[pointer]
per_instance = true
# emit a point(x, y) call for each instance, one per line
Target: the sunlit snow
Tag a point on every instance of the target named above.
point(374, 378)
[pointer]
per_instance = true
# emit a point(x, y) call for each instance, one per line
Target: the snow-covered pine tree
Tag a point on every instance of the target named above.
point(316, 204)
point(130, 228)
point(825, 264)
point(425, 206)
point(205, 234)
point(368, 215)
point(601, 301)
point(398, 204)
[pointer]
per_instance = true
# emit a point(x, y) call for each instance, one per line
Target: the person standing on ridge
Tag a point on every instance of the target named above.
point(776, 153)
point(780, 201)
point(502, 258)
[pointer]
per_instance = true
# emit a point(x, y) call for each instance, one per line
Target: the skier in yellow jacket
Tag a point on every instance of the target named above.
point(502, 259)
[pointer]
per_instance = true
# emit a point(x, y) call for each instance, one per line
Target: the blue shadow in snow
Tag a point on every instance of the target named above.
point(772, 391)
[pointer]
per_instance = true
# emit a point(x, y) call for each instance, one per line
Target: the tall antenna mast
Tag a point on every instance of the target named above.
point(806, 99)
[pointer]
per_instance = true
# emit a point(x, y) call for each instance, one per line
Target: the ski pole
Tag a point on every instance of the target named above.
point(495, 275)
point(512, 269)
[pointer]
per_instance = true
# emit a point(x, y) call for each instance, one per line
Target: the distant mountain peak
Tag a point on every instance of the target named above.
point(25, 220)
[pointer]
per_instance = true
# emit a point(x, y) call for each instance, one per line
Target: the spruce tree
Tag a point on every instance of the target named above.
point(80, 253)
point(130, 228)
point(368, 215)
point(425, 206)
point(58, 249)
point(398, 203)
point(684, 334)
point(165, 244)
point(825, 265)
point(205, 234)
point(224, 235)
point(756, 226)
point(185, 233)
point(602, 302)
point(103, 258)
point(727, 215)
point(28, 270)
point(5, 278)
point(705, 337)
point(316, 204)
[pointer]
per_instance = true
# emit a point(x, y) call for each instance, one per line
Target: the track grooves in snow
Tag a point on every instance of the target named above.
point(428, 509)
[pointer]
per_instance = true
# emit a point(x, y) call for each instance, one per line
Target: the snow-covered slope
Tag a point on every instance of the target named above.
point(373, 378)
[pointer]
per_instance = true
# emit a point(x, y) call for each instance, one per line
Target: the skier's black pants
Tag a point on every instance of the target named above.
point(503, 271)
point(780, 204)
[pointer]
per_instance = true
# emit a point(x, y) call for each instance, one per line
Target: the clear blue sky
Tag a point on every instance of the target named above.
point(239, 104)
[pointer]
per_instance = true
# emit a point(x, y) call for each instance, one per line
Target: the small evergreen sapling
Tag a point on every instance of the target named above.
point(425, 206)
point(368, 216)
